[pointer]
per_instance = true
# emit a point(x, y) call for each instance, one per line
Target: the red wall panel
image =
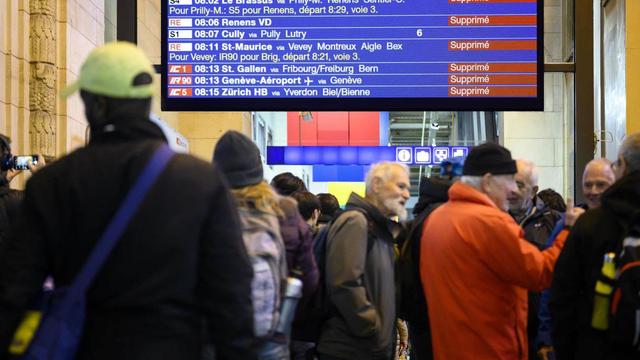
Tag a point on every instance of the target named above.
point(333, 128)
point(364, 128)
point(293, 129)
point(309, 131)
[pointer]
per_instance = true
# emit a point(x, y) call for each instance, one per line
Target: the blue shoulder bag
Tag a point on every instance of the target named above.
point(60, 330)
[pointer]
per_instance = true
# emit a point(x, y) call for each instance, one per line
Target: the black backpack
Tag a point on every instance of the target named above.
point(314, 310)
point(412, 305)
point(624, 320)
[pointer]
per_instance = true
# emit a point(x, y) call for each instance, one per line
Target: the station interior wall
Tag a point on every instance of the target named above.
point(81, 25)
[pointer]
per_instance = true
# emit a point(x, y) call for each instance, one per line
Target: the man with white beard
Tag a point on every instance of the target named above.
point(359, 274)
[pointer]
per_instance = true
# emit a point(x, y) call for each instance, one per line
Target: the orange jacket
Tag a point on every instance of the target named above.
point(476, 268)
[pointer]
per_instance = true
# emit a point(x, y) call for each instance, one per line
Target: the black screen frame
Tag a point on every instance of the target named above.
point(356, 104)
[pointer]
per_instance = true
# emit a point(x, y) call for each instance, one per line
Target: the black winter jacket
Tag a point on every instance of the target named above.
point(180, 263)
point(538, 226)
point(595, 233)
point(10, 201)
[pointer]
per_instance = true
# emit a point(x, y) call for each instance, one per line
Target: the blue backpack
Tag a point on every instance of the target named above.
point(60, 329)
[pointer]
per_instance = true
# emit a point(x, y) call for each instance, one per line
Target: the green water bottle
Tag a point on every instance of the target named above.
point(602, 296)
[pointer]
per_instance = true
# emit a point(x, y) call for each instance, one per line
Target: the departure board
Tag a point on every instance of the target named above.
point(352, 55)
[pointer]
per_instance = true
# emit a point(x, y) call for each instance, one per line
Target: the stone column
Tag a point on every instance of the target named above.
point(632, 71)
point(42, 83)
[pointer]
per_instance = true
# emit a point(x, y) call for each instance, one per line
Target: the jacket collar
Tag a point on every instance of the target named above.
point(373, 214)
point(537, 208)
point(431, 192)
point(467, 193)
point(623, 197)
point(127, 130)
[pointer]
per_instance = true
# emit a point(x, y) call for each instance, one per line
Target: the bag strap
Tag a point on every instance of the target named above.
point(121, 220)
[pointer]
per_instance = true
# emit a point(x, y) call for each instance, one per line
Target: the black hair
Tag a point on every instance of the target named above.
point(553, 200)
point(5, 144)
point(287, 183)
point(329, 204)
point(307, 203)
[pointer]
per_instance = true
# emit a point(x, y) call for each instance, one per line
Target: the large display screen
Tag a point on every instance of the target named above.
point(352, 55)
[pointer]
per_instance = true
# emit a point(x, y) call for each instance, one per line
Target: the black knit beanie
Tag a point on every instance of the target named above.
point(489, 158)
point(239, 159)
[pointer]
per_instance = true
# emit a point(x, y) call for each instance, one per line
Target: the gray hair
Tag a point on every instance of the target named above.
point(382, 170)
point(630, 151)
point(476, 181)
point(472, 180)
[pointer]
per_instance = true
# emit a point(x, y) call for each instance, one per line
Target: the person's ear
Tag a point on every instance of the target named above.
point(623, 163)
point(376, 184)
point(486, 183)
point(535, 190)
point(102, 107)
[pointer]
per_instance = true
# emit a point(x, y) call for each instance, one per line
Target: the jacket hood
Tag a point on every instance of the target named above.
point(538, 209)
point(623, 197)
point(357, 201)
point(432, 191)
point(252, 218)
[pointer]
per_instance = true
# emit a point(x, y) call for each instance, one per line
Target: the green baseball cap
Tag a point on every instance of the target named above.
point(117, 69)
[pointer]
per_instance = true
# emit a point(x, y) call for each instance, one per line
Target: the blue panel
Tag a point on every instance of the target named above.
point(348, 155)
point(339, 173)
point(329, 155)
point(387, 153)
point(275, 155)
point(384, 128)
point(325, 173)
point(361, 155)
point(368, 155)
point(312, 155)
point(293, 155)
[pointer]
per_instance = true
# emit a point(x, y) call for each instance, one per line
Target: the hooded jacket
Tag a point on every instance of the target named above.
point(596, 232)
point(180, 263)
point(539, 223)
point(360, 285)
point(476, 268)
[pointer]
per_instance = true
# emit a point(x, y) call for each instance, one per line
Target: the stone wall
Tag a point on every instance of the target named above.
point(546, 137)
point(15, 73)
point(632, 68)
point(81, 24)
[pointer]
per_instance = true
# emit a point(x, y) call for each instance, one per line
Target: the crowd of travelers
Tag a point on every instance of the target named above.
point(124, 249)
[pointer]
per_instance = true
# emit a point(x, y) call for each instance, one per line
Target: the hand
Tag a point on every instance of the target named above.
point(546, 353)
point(11, 173)
point(35, 167)
point(403, 347)
point(572, 214)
